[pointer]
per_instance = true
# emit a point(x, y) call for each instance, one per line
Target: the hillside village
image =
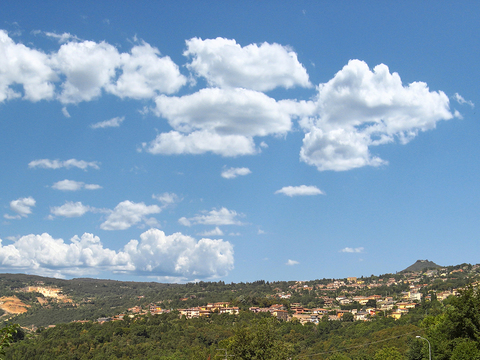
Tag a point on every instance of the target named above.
point(342, 299)
point(348, 299)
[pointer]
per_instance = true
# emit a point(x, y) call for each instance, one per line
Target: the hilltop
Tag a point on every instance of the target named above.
point(421, 265)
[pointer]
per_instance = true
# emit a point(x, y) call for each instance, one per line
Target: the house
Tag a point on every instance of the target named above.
point(229, 310)
point(361, 316)
point(405, 305)
point(280, 314)
point(340, 313)
point(300, 309)
point(396, 315)
point(319, 311)
point(305, 318)
point(135, 309)
point(278, 307)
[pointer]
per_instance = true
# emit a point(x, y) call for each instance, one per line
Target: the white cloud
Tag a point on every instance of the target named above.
point(62, 38)
point(180, 255)
point(227, 112)
point(65, 112)
point(214, 217)
point(22, 206)
point(88, 67)
point(224, 63)
point(71, 209)
point(223, 121)
point(72, 185)
point(184, 221)
point(302, 190)
point(357, 109)
point(92, 186)
point(200, 142)
point(167, 198)
point(352, 250)
point(127, 214)
point(214, 232)
point(360, 108)
point(156, 254)
point(57, 164)
point(291, 262)
point(232, 173)
point(44, 255)
point(27, 67)
point(115, 122)
point(145, 74)
point(459, 98)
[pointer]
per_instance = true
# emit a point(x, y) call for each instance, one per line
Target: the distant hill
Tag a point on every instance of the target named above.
point(421, 265)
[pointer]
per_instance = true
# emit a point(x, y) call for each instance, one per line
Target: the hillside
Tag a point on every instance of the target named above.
point(42, 301)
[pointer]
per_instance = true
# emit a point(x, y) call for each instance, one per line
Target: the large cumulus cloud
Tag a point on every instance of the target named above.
point(360, 108)
point(82, 70)
point(222, 121)
point(224, 63)
point(27, 67)
point(164, 256)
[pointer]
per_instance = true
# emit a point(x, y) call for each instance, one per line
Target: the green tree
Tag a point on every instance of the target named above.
point(458, 326)
point(259, 341)
point(466, 350)
point(339, 356)
point(388, 353)
point(7, 337)
point(348, 317)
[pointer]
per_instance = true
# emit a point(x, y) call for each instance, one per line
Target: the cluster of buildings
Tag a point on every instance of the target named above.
point(339, 298)
point(189, 313)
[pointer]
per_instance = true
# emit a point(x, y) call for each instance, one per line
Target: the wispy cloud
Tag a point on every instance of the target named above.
point(232, 173)
point(352, 250)
point(291, 262)
point(215, 232)
point(213, 217)
point(57, 164)
point(462, 101)
point(167, 198)
point(115, 122)
point(72, 185)
point(65, 112)
point(62, 38)
point(302, 190)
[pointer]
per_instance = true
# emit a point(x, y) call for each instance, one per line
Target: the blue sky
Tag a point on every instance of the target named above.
point(237, 141)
